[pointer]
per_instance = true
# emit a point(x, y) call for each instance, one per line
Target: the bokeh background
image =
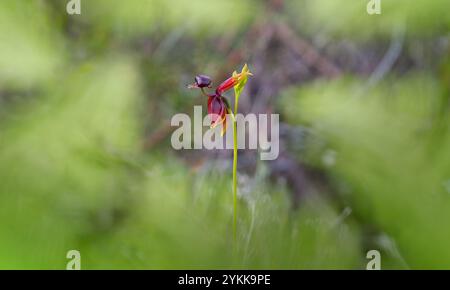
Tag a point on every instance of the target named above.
point(85, 155)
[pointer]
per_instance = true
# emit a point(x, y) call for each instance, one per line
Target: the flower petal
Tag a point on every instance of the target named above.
point(226, 85)
point(217, 109)
point(237, 80)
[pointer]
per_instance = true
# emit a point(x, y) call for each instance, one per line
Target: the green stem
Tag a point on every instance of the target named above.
point(235, 159)
point(203, 92)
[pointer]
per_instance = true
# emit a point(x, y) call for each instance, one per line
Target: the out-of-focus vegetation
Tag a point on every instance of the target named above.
point(85, 155)
point(196, 18)
point(422, 18)
point(394, 160)
point(30, 46)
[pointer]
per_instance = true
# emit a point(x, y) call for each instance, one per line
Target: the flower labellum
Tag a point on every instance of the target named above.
point(201, 81)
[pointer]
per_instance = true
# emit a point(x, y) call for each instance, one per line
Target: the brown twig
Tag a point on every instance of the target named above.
point(158, 135)
point(310, 55)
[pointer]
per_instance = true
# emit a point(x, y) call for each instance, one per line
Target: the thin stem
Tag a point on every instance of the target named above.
point(235, 158)
point(203, 92)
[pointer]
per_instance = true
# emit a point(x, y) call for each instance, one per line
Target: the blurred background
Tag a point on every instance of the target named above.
point(86, 161)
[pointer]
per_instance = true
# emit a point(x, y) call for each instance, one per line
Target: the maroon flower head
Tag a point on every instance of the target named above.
point(218, 106)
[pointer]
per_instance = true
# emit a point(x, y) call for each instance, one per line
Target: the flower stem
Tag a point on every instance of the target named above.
point(203, 92)
point(235, 159)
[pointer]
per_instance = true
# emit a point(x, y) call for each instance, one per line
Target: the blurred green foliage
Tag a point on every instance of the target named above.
point(420, 18)
point(139, 17)
point(31, 49)
point(78, 94)
point(391, 151)
point(62, 162)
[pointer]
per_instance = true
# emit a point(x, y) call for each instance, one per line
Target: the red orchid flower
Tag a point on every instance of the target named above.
point(218, 106)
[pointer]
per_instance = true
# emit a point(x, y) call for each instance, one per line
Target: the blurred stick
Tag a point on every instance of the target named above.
point(310, 55)
point(158, 135)
point(390, 57)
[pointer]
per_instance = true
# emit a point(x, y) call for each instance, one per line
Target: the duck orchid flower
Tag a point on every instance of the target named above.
point(218, 106)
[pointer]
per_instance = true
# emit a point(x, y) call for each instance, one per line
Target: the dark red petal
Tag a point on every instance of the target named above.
point(210, 98)
point(226, 85)
point(216, 108)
